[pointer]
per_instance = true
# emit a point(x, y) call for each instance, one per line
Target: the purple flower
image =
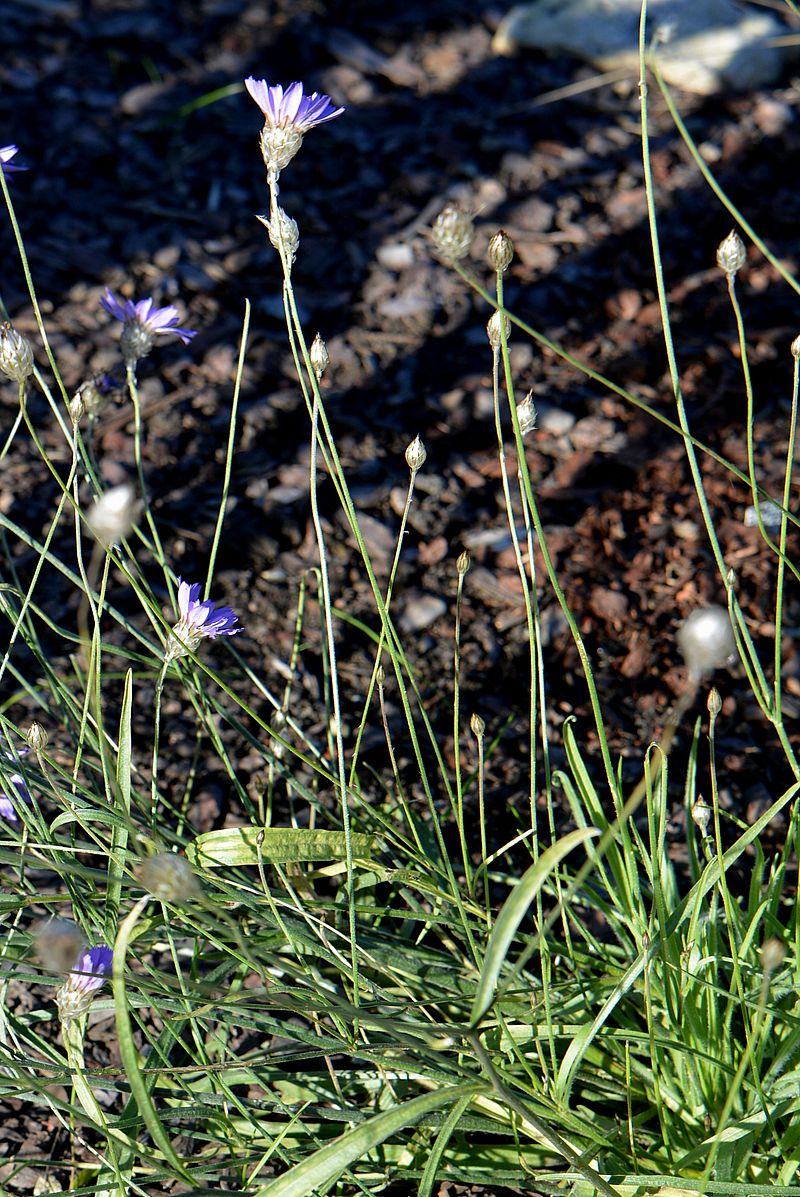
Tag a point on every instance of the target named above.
point(7, 152)
point(198, 620)
point(91, 971)
point(8, 806)
point(142, 323)
point(288, 116)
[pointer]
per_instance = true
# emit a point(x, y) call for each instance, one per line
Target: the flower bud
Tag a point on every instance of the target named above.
point(498, 324)
point(526, 414)
point(796, 348)
point(77, 409)
point(731, 255)
point(706, 640)
point(16, 354)
point(416, 455)
point(463, 563)
point(319, 356)
point(477, 726)
point(453, 233)
point(714, 702)
point(701, 814)
point(36, 737)
point(168, 877)
point(501, 251)
point(112, 516)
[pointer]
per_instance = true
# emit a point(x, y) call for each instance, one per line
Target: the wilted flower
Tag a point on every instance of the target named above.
point(16, 355)
point(19, 788)
point(283, 233)
point(91, 971)
point(142, 323)
point(169, 877)
point(526, 414)
point(7, 152)
point(198, 620)
point(288, 116)
point(112, 516)
point(706, 640)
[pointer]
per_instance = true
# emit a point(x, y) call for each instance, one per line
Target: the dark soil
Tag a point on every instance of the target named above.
point(137, 184)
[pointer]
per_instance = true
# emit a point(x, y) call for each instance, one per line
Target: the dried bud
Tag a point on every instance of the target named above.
point(706, 640)
point(453, 232)
point(283, 233)
point(526, 414)
point(112, 516)
point(796, 348)
point(731, 255)
point(168, 877)
point(36, 737)
point(416, 455)
point(16, 354)
point(701, 814)
point(58, 943)
point(77, 409)
point(319, 356)
point(463, 563)
point(773, 954)
point(498, 324)
point(714, 702)
point(501, 251)
point(477, 726)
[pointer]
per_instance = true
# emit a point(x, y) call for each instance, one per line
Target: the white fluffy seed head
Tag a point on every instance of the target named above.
point(706, 640)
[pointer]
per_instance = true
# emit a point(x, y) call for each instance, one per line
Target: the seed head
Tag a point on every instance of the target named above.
point(731, 255)
point(526, 414)
point(706, 640)
point(416, 455)
point(501, 251)
point(498, 324)
point(168, 877)
point(16, 354)
point(112, 517)
point(773, 954)
point(453, 233)
point(319, 356)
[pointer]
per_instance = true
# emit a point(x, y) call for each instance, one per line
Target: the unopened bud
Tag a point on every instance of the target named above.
point(77, 409)
point(453, 233)
point(526, 414)
point(714, 703)
point(501, 251)
point(416, 455)
point(773, 954)
point(463, 563)
point(283, 233)
point(731, 255)
point(706, 640)
point(319, 356)
point(477, 726)
point(168, 877)
point(16, 354)
point(380, 677)
point(112, 516)
point(701, 814)
point(36, 737)
point(498, 324)
point(796, 347)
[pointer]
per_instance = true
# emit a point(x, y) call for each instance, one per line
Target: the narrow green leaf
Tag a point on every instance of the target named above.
point(318, 1172)
point(281, 845)
point(514, 911)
